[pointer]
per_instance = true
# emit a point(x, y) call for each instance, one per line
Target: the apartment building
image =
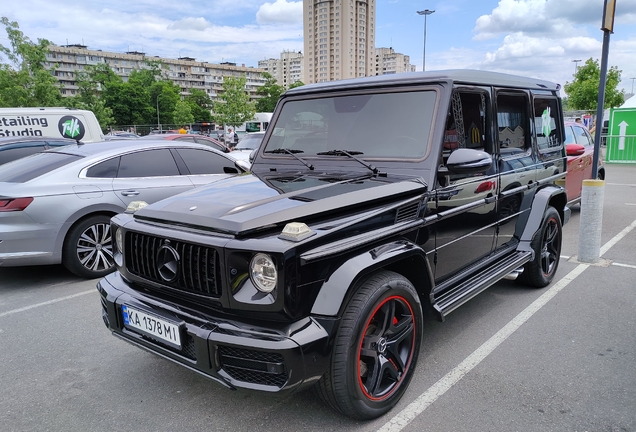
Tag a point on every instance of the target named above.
point(388, 62)
point(186, 72)
point(339, 39)
point(287, 69)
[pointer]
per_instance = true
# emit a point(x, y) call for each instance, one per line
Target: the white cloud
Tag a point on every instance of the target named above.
point(280, 11)
point(198, 24)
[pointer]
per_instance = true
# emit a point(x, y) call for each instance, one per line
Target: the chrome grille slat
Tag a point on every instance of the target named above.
point(198, 268)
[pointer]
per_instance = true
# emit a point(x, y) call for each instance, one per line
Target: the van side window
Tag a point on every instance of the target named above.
point(545, 115)
point(466, 123)
point(512, 123)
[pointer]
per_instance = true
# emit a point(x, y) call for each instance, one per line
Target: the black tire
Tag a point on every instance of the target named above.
point(376, 348)
point(88, 249)
point(540, 271)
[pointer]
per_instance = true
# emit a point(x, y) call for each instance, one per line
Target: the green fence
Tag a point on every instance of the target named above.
point(621, 149)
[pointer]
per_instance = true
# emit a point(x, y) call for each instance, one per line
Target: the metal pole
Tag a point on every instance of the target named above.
point(425, 12)
point(576, 66)
point(158, 127)
point(601, 102)
point(632, 85)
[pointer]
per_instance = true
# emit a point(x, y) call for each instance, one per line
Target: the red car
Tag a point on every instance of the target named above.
point(215, 144)
point(579, 145)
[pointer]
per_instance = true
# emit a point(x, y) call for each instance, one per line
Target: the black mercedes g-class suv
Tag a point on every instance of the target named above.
point(371, 203)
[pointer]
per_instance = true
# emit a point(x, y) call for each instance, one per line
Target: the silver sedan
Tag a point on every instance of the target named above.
point(55, 206)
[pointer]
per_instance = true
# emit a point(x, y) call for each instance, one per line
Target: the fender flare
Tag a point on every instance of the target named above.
point(548, 196)
point(334, 292)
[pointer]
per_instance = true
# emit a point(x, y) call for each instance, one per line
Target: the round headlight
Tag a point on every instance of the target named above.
point(119, 239)
point(263, 273)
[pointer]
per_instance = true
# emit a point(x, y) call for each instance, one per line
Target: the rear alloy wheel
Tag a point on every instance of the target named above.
point(88, 248)
point(547, 251)
point(376, 348)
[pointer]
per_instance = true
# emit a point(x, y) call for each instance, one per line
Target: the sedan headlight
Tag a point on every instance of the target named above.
point(263, 273)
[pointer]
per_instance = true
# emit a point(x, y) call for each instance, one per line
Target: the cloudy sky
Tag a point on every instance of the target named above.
point(539, 38)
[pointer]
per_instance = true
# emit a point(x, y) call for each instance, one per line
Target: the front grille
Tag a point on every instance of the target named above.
point(255, 367)
point(198, 269)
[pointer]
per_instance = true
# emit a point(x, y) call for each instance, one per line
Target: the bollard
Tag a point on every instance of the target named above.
point(591, 220)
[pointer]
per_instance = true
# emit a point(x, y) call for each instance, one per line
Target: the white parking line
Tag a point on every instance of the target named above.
point(624, 265)
point(415, 408)
point(26, 308)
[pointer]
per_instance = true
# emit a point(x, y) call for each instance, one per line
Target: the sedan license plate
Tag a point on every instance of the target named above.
point(153, 326)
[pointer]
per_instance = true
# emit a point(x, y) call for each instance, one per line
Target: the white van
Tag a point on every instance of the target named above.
point(50, 122)
point(258, 124)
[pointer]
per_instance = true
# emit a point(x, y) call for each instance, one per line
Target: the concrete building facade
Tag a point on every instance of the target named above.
point(287, 69)
point(339, 39)
point(186, 72)
point(388, 62)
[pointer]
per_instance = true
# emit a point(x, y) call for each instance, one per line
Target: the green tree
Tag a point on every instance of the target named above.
point(23, 81)
point(269, 94)
point(233, 106)
point(583, 91)
point(89, 82)
point(164, 95)
point(296, 84)
point(200, 105)
point(182, 114)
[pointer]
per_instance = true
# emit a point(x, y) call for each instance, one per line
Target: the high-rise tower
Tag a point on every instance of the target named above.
point(339, 38)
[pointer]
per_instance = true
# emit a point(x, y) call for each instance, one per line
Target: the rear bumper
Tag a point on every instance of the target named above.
point(233, 353)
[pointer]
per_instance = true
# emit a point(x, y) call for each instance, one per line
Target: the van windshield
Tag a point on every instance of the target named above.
point(30, 167)
point(383, 125)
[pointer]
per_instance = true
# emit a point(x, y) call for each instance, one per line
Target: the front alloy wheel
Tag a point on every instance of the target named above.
point(376, 348)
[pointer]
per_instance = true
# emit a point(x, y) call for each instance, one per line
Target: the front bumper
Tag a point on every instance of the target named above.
point(231, 352)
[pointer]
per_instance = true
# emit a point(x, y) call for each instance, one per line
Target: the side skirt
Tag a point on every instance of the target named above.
point(458, 295)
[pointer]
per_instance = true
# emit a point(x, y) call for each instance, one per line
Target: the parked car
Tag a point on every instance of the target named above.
point(247, 144)
point(215, 144)
point(120, 135)
point(13, 148)
point(579, 145)
point(55, 206)
point(316, 268)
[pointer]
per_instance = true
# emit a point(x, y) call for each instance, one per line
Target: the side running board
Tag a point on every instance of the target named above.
point(466, 290)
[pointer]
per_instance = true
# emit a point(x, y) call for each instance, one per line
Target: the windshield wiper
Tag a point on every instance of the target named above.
point(293, 153)
point(350, 154)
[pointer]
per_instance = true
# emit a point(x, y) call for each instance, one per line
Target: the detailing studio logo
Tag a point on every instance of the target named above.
point(71, 127)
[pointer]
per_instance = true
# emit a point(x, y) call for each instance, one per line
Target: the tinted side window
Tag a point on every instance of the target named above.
point(209, 143)
point(11, 154)
point(546, 112)
point(512, 120)
point(204, 162)
point(149, 163)
point(25, 169)
point(106, 169)
point(186, 138)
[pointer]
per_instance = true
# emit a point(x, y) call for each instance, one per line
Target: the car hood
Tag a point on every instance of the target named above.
point(247, 203)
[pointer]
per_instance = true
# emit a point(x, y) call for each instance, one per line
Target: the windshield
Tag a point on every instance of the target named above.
point(250, 142)
point(387, 125)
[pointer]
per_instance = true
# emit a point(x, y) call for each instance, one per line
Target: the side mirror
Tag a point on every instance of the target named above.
point(243, 166)
point(574, 149)
point(253, 155)
point(468, 161)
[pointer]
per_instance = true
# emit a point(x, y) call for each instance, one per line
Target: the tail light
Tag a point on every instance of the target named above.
point(14, 204)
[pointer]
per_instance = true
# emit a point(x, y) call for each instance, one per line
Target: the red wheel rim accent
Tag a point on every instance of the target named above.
point(386, 348)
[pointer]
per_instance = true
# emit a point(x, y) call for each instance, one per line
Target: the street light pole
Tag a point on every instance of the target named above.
point(425, 12)
point(158, 127)
point(632, 85)
point(576, 64)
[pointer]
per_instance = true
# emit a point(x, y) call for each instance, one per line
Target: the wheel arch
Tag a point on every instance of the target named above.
point(402, 257)
point(553, 196)
point(80, 215)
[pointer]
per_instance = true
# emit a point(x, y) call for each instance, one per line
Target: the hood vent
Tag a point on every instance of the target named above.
point(407, 212)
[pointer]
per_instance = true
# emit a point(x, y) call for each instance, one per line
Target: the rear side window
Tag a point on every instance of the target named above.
point(25, 169)
point(106, 169)
point(546, 113)
point(205, 162)
point(149, 163)
point(569, 135)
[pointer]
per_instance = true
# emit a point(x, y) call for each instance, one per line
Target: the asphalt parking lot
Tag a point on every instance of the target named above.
point(513, 359)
